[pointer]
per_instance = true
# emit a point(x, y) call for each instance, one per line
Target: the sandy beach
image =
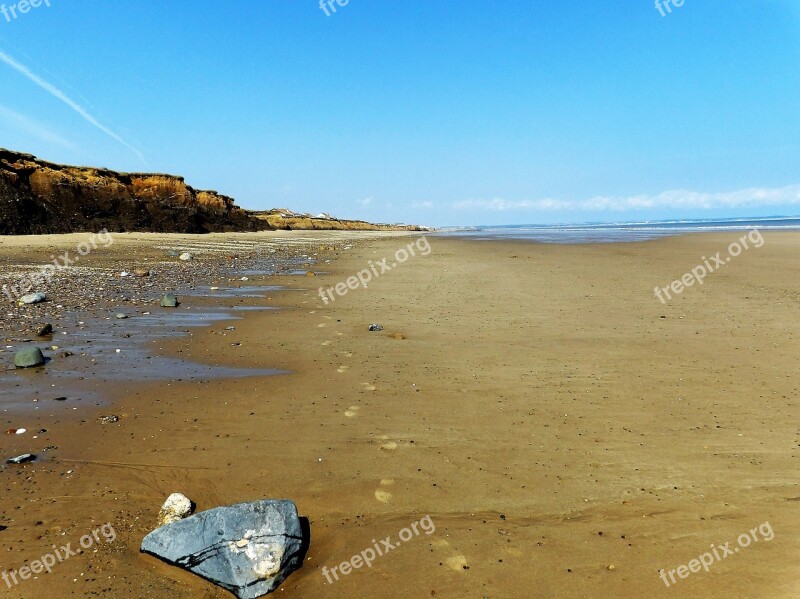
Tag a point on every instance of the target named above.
point(566, 434)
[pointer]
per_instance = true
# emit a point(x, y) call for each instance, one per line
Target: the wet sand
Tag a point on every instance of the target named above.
point(567, 434)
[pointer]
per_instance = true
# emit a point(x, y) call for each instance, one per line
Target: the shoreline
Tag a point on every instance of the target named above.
point(525, 397)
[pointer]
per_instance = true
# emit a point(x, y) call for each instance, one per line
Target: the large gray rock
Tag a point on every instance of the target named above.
point(29, 357)
point(248, 549)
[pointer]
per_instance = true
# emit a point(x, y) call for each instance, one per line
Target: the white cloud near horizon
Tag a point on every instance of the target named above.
point(678, 198)
point(59, 95)
point(34, 129)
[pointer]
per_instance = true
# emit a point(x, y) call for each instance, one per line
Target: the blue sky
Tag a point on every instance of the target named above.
point(438, 112)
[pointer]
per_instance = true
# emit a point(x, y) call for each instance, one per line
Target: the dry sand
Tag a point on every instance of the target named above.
point(567, 433)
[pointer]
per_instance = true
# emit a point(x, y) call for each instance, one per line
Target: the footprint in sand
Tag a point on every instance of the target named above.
point(457, 561)
point(342, 369)
point(325, 343)
point(387, 444)
point(381, 494)
point(352, 411)
point(321, 326)
point(368, 387)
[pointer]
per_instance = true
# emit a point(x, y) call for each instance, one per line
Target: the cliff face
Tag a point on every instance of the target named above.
point(38, 197)
point(288, 220)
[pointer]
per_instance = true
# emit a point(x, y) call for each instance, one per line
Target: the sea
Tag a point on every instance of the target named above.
point(620, 232)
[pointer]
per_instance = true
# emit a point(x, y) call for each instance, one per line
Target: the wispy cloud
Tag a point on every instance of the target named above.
point(679, 198)
point(32, 128)
point(58, 94)
point(366, 201)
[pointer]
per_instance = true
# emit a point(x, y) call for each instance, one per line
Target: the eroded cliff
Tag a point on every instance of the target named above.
point(38, 197)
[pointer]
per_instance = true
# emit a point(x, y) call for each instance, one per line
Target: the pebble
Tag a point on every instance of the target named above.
point(32, 298)
point(169, 301)
point(30, 357)
point(21, 459)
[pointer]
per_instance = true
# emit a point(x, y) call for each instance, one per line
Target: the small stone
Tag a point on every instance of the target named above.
point(375, 327)
point(186, 257)
point(32, 298)
point(612, 567)
point(169, 301)
point(109, 419)
point(175, 508)
point(311, 273)
point(140, 272)
point(30, 357)
point(21, 459)
point(45, 330)
point(121, 316)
